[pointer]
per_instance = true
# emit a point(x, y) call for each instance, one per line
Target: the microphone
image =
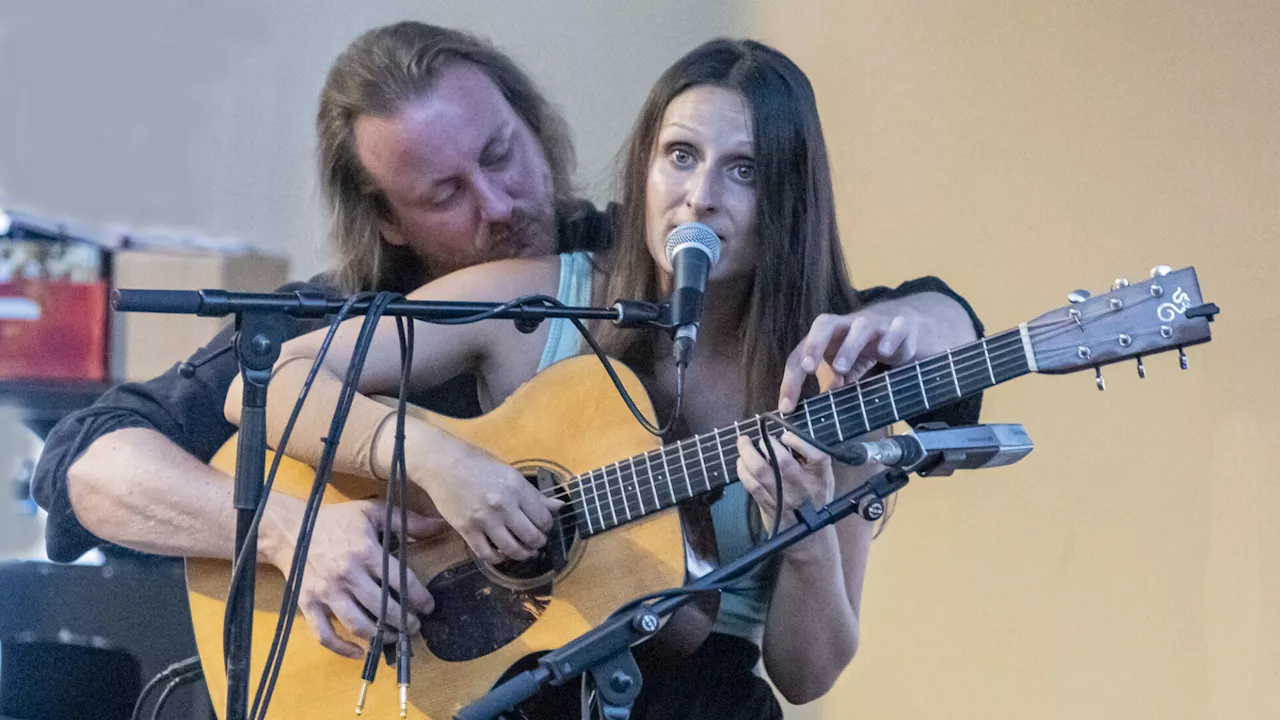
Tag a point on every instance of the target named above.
point(968, 447)
point(693, 249)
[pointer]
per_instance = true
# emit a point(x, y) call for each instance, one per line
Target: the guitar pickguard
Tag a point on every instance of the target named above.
point(475, 616)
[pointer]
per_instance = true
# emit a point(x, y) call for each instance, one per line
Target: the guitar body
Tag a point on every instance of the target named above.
point(567, 420)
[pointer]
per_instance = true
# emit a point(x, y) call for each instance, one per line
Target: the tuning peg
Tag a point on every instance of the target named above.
point(1142, 369)
point(1182, 358)
point(1160, 271)
point(1102, 384)
point(1119, 283)
point(1078, 296)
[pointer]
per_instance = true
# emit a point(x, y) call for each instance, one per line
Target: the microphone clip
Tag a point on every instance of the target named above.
point(640, 313)
point(635, 314)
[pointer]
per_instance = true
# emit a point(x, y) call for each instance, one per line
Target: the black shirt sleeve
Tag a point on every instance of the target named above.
point(964, 411)
point(188, 411)
point(580, 226)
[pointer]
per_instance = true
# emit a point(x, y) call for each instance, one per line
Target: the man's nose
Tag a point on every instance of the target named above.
point(495, 202)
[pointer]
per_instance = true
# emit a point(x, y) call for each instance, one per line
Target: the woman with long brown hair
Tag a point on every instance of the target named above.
point(728, 137)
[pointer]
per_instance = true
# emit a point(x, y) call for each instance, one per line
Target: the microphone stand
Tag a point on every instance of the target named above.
point(259, 335)
point(260, 331)
point(605, 651)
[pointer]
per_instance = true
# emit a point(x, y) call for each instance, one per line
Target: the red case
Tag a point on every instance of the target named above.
point(68, 341)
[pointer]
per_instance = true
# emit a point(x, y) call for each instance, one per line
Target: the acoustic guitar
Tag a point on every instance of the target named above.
point(618, 537)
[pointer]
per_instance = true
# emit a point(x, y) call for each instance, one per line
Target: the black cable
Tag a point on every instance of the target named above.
point(173, 685)
point(397, 465)
point(723, 584)
point(191, 664)
point(399, 480)
point(397, 492)
point(777, 474)
point(242, 565)
point(398, 469)
point(854, 456)
point(293, 583)
point(323, 471)
point(548, 301)
point(617, 383)
point(839, 455)
point(294, 579)
point(544, 300)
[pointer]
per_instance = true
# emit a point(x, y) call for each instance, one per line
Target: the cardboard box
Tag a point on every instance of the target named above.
point(145, 345)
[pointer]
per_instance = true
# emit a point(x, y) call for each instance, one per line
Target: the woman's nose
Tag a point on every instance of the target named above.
point(702, 193)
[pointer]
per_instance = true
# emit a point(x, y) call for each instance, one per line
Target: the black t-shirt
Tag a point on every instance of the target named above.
point(189, 411)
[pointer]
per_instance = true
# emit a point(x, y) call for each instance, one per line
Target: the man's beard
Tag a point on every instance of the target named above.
point(529, 233)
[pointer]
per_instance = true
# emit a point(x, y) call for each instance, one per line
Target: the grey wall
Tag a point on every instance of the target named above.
point(198, 116)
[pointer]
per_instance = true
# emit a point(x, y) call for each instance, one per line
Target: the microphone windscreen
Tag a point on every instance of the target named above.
point(697, 234)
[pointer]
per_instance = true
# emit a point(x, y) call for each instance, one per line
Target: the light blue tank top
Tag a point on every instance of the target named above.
point(743, 608)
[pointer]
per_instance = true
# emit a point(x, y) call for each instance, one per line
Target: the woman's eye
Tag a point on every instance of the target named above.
point(681, 157)
point(745, 173)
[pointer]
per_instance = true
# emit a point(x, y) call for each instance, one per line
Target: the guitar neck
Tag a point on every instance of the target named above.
point(654, 481)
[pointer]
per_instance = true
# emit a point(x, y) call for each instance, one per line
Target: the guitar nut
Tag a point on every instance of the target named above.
point(1166, 331)
point(1156, 291)
point(1084, 352)
point(1125, 340)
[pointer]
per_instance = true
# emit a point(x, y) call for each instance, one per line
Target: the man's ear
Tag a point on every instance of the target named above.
point(391, 232)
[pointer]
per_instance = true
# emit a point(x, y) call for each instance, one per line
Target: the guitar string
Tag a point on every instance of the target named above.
point(1000, 356)
point(599, 487)
point(999, 353)
point(973, 364)
point(628, 483)
point(590, 491)
point(572, 513)
point(1006, 348)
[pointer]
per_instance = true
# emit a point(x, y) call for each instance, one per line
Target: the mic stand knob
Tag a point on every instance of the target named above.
point(871, 508)
point(646, 621)
point(617, 681)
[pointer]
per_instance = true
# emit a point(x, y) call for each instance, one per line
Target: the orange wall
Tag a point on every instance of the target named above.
point(1128, 568)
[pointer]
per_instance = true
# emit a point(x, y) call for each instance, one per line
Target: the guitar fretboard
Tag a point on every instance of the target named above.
point(644, 484)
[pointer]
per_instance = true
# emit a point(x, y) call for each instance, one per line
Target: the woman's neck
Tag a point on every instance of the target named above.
point(723, 307)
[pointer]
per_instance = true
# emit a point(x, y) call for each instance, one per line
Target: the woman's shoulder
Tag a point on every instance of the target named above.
point(495, 281)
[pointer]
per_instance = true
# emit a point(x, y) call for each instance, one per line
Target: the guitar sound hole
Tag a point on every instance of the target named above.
point(480, 607)
point(555, 555)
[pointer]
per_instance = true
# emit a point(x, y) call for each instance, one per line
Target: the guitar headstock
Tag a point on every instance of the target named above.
point(1132, 320)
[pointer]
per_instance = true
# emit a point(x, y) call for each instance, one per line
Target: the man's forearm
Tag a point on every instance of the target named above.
point(944, 322)
point(134, 487)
